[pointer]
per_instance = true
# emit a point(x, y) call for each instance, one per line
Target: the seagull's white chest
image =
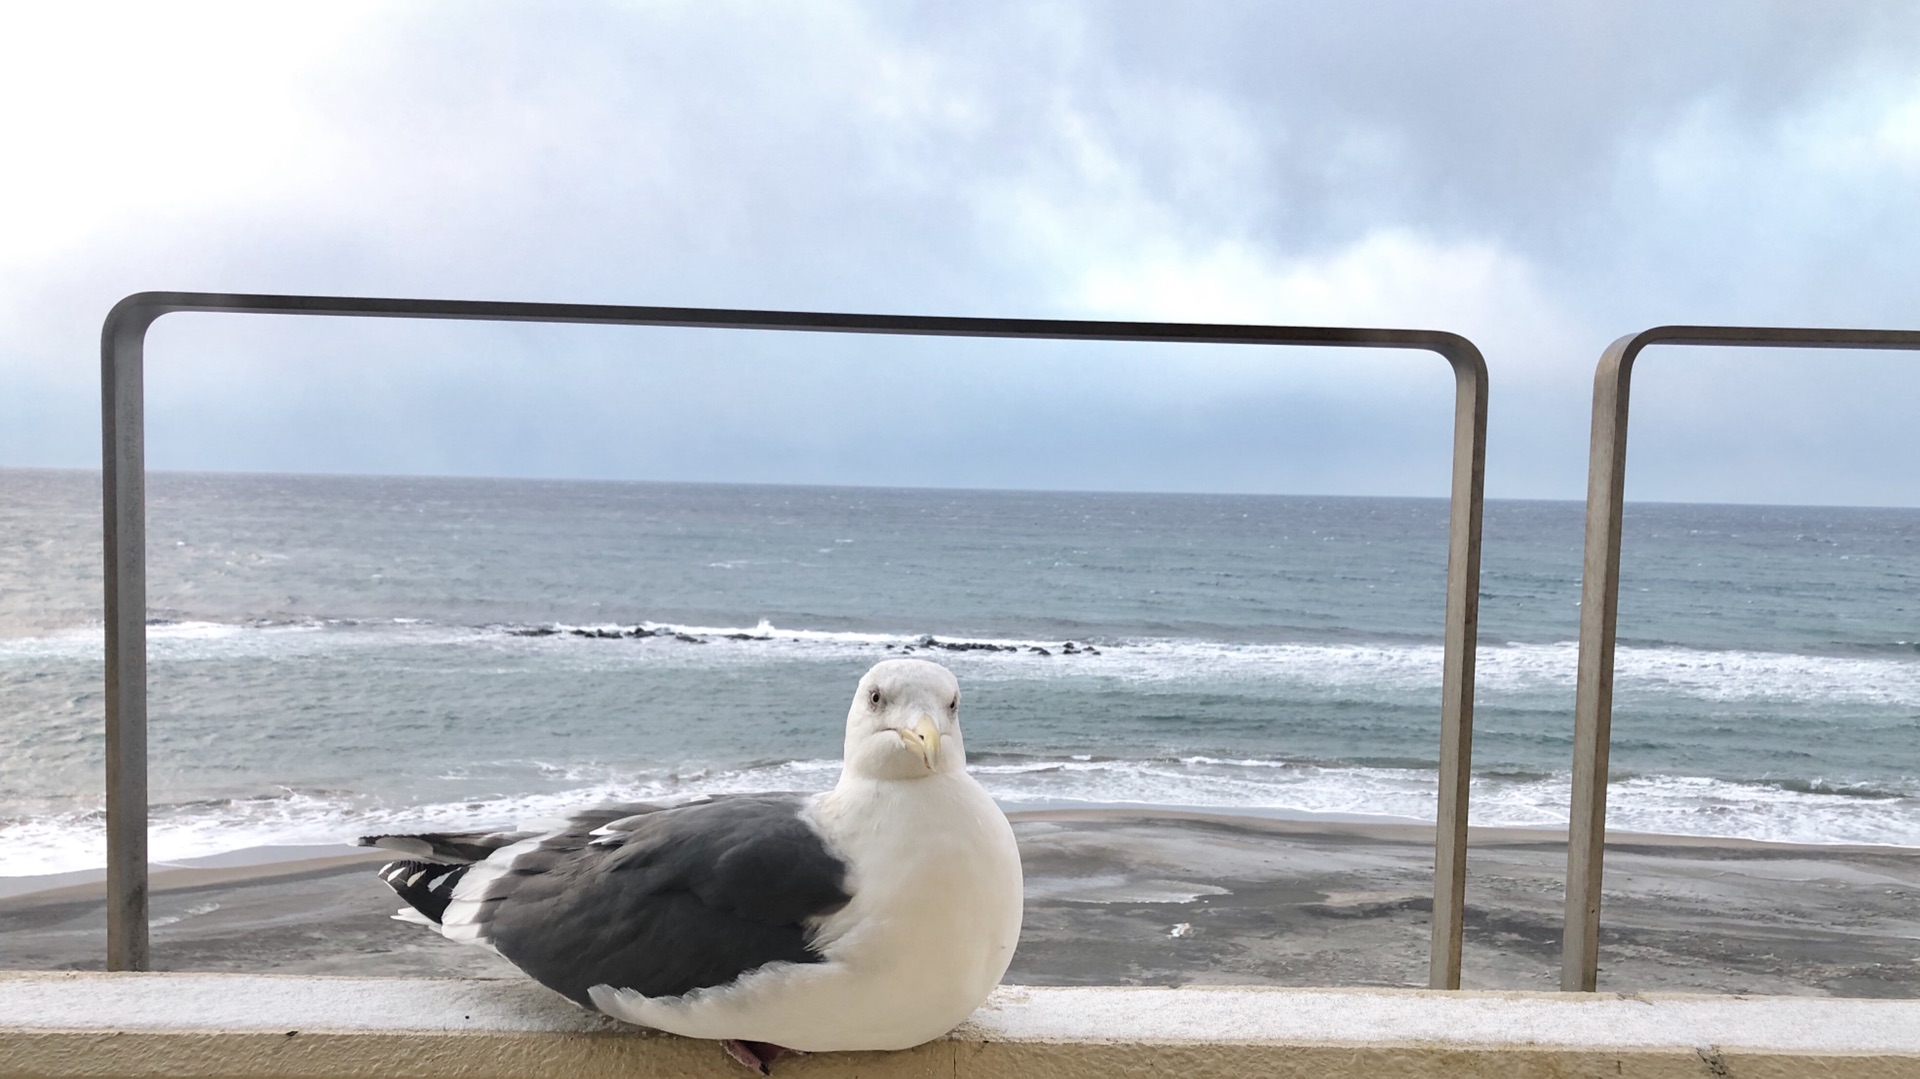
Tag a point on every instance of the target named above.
point(931, 928)
point(940, 889)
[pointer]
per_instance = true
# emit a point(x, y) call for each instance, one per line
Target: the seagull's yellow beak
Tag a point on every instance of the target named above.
point(924, 739)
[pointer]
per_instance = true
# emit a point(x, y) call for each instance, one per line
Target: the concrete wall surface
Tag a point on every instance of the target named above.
point(232, 1025)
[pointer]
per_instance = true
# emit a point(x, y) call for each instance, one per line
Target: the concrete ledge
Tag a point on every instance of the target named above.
point(71, 1025)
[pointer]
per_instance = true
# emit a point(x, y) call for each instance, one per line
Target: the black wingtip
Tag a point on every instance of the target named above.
point(426, 886)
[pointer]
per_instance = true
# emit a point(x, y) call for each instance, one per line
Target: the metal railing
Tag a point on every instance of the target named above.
point(122, 396)
point(1600, 604)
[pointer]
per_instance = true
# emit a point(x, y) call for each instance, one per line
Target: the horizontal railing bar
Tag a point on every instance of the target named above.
point(144, 307)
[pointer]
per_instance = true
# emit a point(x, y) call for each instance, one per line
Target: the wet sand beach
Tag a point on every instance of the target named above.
point(1126, 898)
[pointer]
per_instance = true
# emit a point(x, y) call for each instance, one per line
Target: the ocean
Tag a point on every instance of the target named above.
point(332, 656)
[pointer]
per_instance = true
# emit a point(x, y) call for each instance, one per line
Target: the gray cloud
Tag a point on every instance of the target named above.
point(1539, 177)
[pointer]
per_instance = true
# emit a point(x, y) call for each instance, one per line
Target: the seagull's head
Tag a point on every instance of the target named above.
point(905, 722)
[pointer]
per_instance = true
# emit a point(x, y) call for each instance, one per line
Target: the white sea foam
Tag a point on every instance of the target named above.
point(1699, 674)
point(76, 839)
point(1674, 805)
point(57, 840)
point(1719, 675)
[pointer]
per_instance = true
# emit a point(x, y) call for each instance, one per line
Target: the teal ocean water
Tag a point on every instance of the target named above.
point(336, 655)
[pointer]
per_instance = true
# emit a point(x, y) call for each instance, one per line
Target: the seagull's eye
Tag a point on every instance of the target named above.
point(953, 705)
point(873, 698)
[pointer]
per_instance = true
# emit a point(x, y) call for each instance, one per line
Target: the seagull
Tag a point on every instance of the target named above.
point(876, 915)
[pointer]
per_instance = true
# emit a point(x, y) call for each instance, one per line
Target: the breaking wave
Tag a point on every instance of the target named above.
point(73, 838)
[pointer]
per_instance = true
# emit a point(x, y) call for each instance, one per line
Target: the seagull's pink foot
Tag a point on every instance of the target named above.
point(757, 1056)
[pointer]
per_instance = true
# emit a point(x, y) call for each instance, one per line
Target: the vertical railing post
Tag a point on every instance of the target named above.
point(123, 482)
point(1593, 693)
point(1456, 680)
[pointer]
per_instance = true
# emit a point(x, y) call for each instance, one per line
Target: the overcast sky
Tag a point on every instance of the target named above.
point(1541, 177)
